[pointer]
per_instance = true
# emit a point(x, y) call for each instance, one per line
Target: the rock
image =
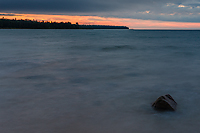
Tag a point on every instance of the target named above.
point(165, 102)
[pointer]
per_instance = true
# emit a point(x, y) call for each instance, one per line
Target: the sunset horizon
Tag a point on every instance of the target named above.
point(98, 20)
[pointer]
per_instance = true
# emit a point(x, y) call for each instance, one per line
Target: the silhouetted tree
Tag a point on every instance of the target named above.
point(29, 24)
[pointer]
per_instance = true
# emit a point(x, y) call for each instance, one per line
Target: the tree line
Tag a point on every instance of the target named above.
point(31, 24)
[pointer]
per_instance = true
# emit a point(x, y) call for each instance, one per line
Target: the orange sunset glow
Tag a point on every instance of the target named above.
point(96, 20)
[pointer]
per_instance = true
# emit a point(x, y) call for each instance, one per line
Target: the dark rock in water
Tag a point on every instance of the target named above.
point(165, 102)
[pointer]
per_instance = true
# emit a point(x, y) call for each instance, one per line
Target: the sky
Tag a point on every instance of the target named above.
point(136, 14)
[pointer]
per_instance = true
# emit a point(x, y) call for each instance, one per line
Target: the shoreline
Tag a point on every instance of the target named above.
point(29, 24)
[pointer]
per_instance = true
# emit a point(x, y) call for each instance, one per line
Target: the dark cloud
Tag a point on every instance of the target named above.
point(168, 10)
point(8, 14)
point(54, 6)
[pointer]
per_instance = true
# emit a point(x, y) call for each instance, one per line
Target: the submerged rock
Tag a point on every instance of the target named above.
point(165, 102)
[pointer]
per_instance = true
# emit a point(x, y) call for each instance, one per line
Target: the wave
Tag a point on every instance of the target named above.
point(119, 47)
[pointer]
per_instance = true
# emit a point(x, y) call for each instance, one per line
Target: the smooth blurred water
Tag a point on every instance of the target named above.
point(98, 81)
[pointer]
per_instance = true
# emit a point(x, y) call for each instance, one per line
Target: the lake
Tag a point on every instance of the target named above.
point(98, 81)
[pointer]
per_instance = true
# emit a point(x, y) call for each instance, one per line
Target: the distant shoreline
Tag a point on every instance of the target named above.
point(29, 24)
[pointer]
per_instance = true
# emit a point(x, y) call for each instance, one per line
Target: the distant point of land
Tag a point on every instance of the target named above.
point(32, 24)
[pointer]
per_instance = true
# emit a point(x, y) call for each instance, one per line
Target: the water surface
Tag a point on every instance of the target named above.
point(98, 81)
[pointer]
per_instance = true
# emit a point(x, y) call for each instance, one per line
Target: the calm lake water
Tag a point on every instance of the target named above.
point(98, 81)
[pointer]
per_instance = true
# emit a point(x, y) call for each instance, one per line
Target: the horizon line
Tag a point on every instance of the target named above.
point(98, 20)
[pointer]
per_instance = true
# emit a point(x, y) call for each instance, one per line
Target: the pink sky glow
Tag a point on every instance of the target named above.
point(95, 20)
